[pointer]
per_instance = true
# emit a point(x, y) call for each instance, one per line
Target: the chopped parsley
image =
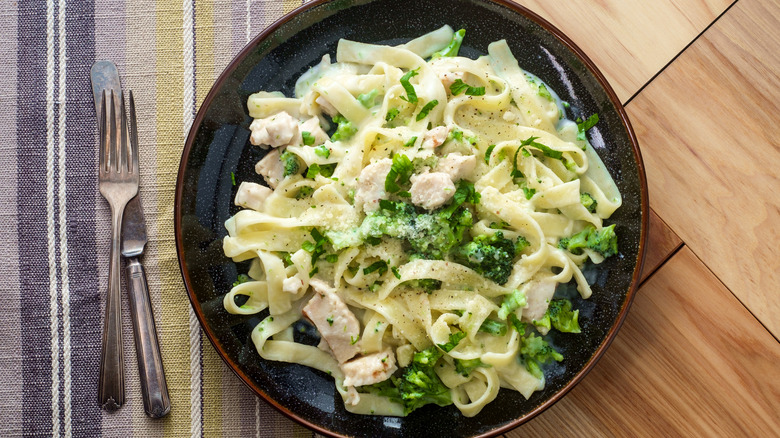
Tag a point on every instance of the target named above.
point(488, 152)
point(410, 142)
point(411, 95)
point(426, 109)
point(583, 126)
point(380, 267)
point(459, 86)
point(399, 174)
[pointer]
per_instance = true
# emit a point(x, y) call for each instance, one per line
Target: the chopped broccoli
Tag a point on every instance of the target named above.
point(512, 302)
point(292, 165)
point(241, 278)
point(304, 192)
point(426, 284)
point(534, 350)
point(368, 99)
point(492, 256)
point(453, 47)
point(418, 384)
point(466, 366)
point(455, 338)
point(603, 241)
point(345, 129)
point(493, 327)
point(588, 202)
point(560, 316)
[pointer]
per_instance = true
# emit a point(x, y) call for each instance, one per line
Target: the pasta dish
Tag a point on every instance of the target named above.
point(418, 209)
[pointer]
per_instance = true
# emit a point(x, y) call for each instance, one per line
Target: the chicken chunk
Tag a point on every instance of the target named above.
point(457, 166)
point(271, 168)
point(435, 137)
point(431, 190)
point(312, 126)
point(252, 195)
point(277, 130)
point(292, 285)
point(334, 321)
point(370, 369)
point(538, 296)
point(371, 184)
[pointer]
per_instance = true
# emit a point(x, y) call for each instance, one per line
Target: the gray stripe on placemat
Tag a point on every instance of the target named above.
point(32, 232)
point(81, 179)
point(11, 347)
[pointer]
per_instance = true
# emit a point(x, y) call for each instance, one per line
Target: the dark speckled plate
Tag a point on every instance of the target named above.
point(217, 145)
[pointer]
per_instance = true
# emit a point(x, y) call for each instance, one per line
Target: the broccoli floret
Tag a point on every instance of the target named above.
point(534, 350)
point(345, 129)
point(436, 234)
point(426, 284)
point(466, 366)
point(588, 202)
point(418, 385)
point(603, 241)
point(292, 165)
point(241, 278)
point(560, 316)
point(512, 302)
point(490, 255)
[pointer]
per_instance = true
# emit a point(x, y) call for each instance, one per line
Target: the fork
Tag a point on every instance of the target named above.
point(118, 181)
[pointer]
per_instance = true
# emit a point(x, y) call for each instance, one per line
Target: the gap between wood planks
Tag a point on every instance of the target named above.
point(696, 38)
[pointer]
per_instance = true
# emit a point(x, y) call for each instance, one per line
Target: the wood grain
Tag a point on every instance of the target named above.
point(630, 41)
point(710, 138)
point(661, 243)
point(690, 360)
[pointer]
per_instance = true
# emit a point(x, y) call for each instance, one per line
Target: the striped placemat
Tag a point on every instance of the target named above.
point(55, 226)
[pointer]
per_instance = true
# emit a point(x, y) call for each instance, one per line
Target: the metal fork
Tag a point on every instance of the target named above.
point(118, 178)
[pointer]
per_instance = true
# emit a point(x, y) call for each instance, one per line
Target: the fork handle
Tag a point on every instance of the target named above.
point(111, 386)
point(154, 388)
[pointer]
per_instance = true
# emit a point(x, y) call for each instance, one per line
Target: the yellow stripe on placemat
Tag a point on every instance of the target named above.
point(174, 333)
point(204, 78)
point(289, 5)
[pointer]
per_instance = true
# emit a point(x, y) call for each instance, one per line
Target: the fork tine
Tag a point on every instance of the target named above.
point(103, 152)
point(133, 137)
point(113, 154)
point(124, 151)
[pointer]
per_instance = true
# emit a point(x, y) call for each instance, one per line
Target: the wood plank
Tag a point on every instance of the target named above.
point(690, 360)
point(661, 243)
point(710, 141)
point(630, 41)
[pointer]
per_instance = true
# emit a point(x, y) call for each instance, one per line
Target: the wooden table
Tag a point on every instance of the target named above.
point(698, 354)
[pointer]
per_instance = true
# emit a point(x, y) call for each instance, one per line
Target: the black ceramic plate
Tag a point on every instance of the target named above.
point(217, 146)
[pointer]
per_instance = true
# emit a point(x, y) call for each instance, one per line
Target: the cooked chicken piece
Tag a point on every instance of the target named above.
point(538, 296)
point(371, 184)
point(271, 168)
point(431, 190)
point(370, 369)
point(292, 285)
point(277, 130)
point(326, 106)
point(252, 195)
point(457, 166)
point(334, 321)
point(312, 126)
point(435, 137)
